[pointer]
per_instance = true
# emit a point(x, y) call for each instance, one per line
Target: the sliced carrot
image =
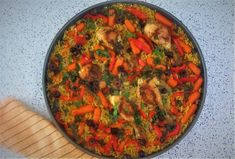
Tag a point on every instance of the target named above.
point(163, 67)
point(134, 48)
point(103, 99)
point(187, 48)
point(71, 33)
point(80, 27)
point(96, 116)
point(198, 84)
point(90, 98)
point(194, 68)
point(72, 66)
point(100, 58)
point(98, 47)
point(112, 63)
point(150, 61)
point(82, 90)
point(172, 82)
point(111, 18)
point(129, 25)
point(162, 19)
point(193, 97)
point(83, 109)
point(81, 128)
point(118, 63)
point(189, 113)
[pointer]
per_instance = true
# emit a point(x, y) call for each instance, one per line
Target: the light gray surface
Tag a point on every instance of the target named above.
point(28, 27)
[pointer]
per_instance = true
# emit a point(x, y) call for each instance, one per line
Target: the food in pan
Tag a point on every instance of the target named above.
point(124, 81)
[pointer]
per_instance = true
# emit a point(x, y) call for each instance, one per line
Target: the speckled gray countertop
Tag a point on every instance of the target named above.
point(28, 27)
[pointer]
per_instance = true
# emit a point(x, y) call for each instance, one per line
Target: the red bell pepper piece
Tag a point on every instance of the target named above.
point(174, 110)
point(142, 113)
point(174, 95)
point(131, 78)
point(104, 18)
point(122, 145)
point(134, 48)
point(151, 114)
point(158, 131)
point(104, 128)
point(80, 39)
point(58, 118)
point(139, 14)
point(140, 35)
point(84, 60)
point(98, 16)
point(114, 142)
point(191, 79)
point(178, 69)
point(175, 132)
point(142, 45)
point(141, 63)
point(175, 76)
point(179, 48)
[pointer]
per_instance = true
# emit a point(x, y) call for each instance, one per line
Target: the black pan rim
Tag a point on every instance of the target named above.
point(168, 15)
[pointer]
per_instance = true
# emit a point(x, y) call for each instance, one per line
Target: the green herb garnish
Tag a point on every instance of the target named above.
point(130, 35)
point(157, 60)
point(90, 24)
point(159, 53)
point(102, 53)
point(79, 103)
point(137, 119)
point(126, 94)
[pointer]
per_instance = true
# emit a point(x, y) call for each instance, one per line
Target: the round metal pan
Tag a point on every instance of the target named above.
point(73, 20)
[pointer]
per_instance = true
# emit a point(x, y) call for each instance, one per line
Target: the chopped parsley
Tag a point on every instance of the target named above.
point(102, 53)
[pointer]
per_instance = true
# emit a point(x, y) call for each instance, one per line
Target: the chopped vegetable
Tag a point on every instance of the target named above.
point(111, 18)
point(103, 99)
point(80, 27)
point(179, 48)
point(172, 82)
point(96, 116)
point(185, 47)
point(192, 109)
point(102, 53)
point(162, 19)
point(193, 97)
point(130, 26)
point(137, 13)
point(83, 109)
point(194, 68)
point(117, 64)
point(134, 48)
point(198, 84)
point(72, 67)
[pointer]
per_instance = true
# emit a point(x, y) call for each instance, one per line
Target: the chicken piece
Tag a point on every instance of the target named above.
point(90, 72)
point(126, 111)
point(107, 35)
point(152, 84)
point(159, 34)
point(147, 94)
point(150, 93)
